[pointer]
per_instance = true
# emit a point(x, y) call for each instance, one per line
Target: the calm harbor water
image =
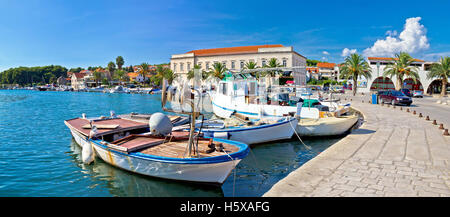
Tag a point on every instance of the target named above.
point(39, 158)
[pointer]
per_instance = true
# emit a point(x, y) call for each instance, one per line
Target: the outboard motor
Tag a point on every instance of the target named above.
point(160, 124)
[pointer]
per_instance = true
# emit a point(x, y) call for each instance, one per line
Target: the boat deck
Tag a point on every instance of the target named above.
point(174, 146)
point(104, 127)
point(179, 148)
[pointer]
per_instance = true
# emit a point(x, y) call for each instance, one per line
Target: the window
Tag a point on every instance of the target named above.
point(284, 62)
point(199, 65)
point(207, 65)
point(263, 62)
point(181, 66)
point(174, 67)
point(242, 64)
point(232, 64)
point(188, 66)
point(224, 64)
point(223, 88)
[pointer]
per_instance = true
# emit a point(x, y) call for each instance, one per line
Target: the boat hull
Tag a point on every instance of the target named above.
point(330, 126)
point(207, 172)
point(214, 173)
point(257, 134)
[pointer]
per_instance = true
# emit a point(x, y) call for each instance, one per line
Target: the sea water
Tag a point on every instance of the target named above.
point(39, 158)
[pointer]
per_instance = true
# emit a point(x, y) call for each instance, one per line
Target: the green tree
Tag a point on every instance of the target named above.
point(402, 69)
point(354, 67)
point(170, 76)
point(312, 62)
point(441, 70)
point(120, 62)
point(111, 68)
point(120, 75)
point(273, 63)
point(97, 76)
point(218, 71)
point(190, 74)
point(144, 71)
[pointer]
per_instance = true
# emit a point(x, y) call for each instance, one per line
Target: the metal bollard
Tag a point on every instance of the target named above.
point(427, 118)
point(414, 112)
point(434, 122)
point(441, 126)
point(446, 132)
point(420, 115)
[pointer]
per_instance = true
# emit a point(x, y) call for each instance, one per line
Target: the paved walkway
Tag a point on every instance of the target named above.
point(394, 153)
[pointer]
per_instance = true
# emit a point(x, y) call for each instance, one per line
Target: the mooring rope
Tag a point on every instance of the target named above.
point(307, 147)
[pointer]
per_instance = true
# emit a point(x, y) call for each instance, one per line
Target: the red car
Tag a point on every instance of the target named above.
point(394, 97)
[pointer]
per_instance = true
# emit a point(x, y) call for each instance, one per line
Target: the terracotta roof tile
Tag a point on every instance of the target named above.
point(389, 59)
point(326, 65)
point(231, 50)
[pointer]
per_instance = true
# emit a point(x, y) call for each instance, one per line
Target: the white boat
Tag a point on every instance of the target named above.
point(243, 95)
point(96, 89)
point(119, 89)
point(328, 126)
point(136, 147)
point(249, 132)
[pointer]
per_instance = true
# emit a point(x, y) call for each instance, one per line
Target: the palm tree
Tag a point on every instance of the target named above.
point(251, 65)
point(218, 70)
point(354, 67)
point(119, 62)
point(170, 75)
point(273, 63)
point(191, 75)
point(144, 70)
point(111, 68)
point(441, 70)
point(401, 69)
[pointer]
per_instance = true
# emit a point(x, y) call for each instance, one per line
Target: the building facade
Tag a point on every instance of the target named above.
point(377, 81)
point(235, 58)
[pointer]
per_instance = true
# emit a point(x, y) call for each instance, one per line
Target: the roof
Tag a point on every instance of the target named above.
point(390, 59)
point(326, 65)
point(132, 74)
point(232, 50)
point(79, 75)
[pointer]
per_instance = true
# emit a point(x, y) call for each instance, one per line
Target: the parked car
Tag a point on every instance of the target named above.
point(394, 97)
point(406, 92)
point(417, 93)
point(337, 89)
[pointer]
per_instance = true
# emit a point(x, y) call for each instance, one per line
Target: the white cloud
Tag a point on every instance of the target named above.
point(391, 33)
point(347, 52)
point(325, 53)
point(412, 40)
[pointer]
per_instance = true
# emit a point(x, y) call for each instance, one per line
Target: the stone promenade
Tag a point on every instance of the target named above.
point(393, 154)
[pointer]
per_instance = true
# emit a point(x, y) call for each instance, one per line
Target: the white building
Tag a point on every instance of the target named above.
point(378, 65)
point(235, 58)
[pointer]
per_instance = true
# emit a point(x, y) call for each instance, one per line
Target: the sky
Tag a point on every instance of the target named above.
point(91, 33)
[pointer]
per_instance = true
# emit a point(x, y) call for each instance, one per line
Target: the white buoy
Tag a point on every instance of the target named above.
point(83, 115)
point(160, 124)
point(87, 154)
point(113, 114)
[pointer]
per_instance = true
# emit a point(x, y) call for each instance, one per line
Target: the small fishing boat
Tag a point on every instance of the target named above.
point(248, 131)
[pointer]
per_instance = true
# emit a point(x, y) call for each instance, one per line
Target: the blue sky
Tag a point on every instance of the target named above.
point(92, 33)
